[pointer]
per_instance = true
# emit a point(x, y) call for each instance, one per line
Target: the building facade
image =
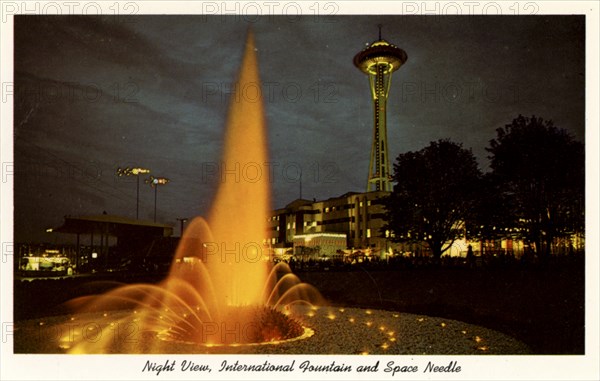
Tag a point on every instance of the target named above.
point(358, 216)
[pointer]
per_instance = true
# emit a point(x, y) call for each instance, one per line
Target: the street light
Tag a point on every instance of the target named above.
point(137, 171)
point(154, 183)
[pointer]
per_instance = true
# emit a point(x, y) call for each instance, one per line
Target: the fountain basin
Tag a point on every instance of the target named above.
point(327, 330)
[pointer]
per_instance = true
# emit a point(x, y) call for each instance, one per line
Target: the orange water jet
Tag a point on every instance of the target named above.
point(238, 217)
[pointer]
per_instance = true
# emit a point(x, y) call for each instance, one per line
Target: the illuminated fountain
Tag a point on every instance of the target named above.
point(221, 288)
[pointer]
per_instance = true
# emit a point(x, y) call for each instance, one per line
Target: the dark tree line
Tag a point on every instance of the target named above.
point(534, 191)
point(435, 190)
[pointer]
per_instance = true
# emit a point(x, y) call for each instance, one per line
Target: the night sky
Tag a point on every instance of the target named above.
point(94, 94)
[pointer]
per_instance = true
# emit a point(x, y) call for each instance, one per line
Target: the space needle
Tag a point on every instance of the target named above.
point(379, 60)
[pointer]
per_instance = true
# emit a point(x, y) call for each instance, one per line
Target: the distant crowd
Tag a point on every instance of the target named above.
point(499, 259)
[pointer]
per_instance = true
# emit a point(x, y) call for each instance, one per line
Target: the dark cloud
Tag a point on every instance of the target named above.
point(96, 93)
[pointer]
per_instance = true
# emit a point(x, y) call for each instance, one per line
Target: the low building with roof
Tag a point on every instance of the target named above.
point(112, 239)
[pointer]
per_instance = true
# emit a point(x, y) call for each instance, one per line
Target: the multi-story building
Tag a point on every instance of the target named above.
point(352, 221)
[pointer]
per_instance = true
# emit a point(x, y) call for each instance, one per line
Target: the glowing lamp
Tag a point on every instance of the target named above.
point(154, 181)
point(127, 171)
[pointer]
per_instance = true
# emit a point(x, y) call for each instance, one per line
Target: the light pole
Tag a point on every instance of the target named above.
point(154, 183)
point(182, 221)
point(137, 171)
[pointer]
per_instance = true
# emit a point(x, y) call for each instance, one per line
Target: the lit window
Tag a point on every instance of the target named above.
point(369, 203)
point(294, 225)
point(273, 241)
point(360, 204)
point(288, 226)
point(368, 233)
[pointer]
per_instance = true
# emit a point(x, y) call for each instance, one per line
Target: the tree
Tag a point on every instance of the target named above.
point(493, 217)
point(434, 195)
point(541, 168)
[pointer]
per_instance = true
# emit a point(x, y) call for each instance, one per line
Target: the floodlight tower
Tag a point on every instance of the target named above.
point(379, 60)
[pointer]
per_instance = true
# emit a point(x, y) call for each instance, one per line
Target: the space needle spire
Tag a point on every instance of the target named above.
point(379, 60)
